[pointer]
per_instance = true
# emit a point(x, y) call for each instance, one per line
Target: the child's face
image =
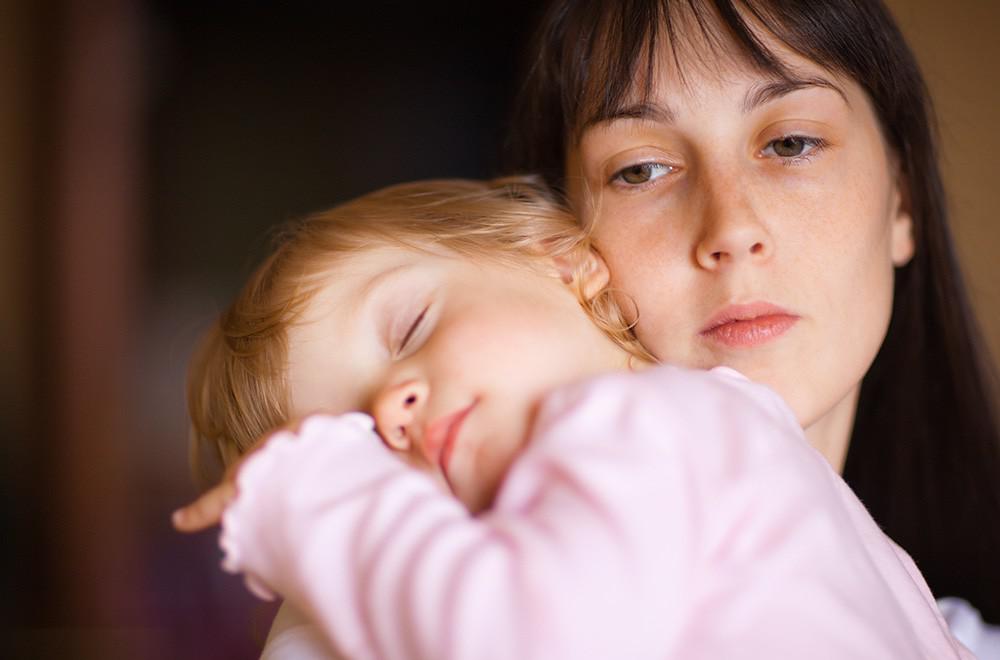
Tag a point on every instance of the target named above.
point(450, 357)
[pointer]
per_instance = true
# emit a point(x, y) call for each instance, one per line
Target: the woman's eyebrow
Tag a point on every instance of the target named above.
point(655, 112)
point(763, 93)
point(758, 95)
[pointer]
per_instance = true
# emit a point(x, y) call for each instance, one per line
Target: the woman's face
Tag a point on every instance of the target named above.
point(754, 224)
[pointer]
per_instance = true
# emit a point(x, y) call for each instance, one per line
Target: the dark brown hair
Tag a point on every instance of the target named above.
point(925, 451)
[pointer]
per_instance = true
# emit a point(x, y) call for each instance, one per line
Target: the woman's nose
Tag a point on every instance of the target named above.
point(732, 232)
point(397, 411)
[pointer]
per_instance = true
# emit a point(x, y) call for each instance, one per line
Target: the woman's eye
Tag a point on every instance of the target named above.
point(640, 173)
point(793, 146)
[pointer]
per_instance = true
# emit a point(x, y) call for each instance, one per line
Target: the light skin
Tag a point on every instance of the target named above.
point(730, 193)
point(450, 356)
point(777, 209)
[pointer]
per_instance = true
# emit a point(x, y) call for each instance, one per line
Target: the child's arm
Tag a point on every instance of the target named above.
point(666, 514)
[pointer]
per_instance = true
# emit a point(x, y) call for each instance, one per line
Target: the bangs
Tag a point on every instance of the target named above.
point(593, 59)
point(621, 46)
point(612, 51)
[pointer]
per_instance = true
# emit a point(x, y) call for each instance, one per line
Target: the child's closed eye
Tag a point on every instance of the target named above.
point(411, 332)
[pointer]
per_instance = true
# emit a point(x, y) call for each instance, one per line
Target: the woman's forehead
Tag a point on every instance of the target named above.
point(687, 77)
point(691, 50)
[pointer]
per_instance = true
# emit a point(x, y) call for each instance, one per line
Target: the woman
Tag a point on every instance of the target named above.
point(762, 178)
point(698, 214)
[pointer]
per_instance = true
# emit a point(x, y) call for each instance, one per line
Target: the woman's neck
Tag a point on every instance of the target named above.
point(831, 433)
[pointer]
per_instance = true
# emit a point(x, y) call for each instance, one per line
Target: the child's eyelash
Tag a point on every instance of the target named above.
point(413, 328)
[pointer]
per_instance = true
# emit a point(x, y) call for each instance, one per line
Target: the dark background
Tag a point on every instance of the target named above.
point(146, 150)
point(263, 111)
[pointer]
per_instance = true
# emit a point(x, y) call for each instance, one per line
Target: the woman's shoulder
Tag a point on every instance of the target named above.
point(676, 392)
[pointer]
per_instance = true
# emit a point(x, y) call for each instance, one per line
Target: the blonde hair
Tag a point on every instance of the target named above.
point(236, 385)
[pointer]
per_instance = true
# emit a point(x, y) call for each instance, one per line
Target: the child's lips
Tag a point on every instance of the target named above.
point(442, 435)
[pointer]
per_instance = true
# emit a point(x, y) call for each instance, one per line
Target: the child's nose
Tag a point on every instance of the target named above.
point(397, 410)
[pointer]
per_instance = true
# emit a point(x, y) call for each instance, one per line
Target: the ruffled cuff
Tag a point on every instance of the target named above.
point(280, 451)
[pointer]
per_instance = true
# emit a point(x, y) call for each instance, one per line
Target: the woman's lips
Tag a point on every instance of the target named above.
point(441, 436)
point(745, 326)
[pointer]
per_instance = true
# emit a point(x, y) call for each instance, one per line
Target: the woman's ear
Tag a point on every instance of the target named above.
point(901, 243)
point(589, 273)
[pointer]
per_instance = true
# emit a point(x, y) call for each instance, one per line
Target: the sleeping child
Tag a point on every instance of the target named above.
point(476, 459)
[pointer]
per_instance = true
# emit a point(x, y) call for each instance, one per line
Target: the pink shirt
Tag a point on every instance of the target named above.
point(661, 514)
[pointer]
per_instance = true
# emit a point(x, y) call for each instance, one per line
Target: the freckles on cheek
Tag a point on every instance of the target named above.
point(840, 219)
point(626, 221)
point(621, 247)
point(866, 191)
point(641, 260)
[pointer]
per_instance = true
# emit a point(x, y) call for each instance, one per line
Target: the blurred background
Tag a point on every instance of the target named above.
point(146, 148)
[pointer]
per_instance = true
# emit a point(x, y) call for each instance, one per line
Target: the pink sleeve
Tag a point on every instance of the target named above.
point(664, 514)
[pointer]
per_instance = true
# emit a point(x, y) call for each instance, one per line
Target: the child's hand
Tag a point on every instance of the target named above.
point(207, 509)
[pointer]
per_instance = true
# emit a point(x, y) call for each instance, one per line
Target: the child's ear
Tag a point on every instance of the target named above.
point(591, 270)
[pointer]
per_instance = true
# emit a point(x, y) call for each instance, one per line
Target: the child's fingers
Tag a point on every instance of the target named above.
point(206, 510)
